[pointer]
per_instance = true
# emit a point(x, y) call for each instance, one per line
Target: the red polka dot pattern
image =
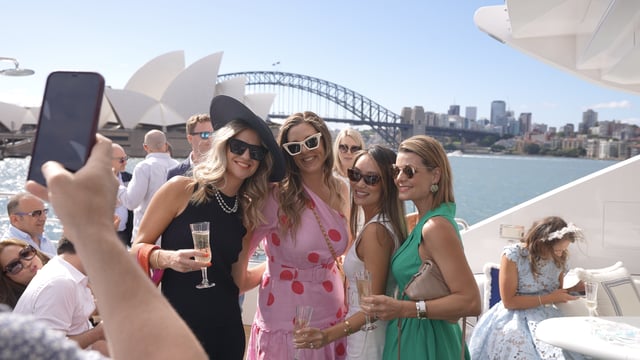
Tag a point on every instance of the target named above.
point(313, 257)
point(286, 275)
point(334, 235)
point(328, 286)
point(275, 239)
point(341, 349)
point(271, 299)
point(297, 287)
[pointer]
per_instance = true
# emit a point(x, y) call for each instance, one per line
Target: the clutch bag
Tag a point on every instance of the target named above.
point(428, 283)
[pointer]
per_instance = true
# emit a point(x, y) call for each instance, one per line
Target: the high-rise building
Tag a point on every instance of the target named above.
point(589, 120)
point(525, 122)
point(498, 112)
point(471, 113)
point(454, 110)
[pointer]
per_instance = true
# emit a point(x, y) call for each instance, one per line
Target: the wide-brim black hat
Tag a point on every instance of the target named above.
point(225, 109)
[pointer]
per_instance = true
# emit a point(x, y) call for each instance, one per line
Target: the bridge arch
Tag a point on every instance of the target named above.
point(367, 112)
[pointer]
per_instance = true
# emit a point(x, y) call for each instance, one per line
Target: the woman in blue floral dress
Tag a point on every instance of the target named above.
point(531, 274)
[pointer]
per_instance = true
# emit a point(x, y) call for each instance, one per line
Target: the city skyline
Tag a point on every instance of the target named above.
point(410, 54)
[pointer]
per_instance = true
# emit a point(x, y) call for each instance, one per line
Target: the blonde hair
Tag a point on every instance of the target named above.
point(292, 197)
point(433, 156)
point(348, 132)
point(210, 174)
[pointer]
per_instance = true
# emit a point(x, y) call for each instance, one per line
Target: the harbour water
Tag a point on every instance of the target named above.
point(484, 185)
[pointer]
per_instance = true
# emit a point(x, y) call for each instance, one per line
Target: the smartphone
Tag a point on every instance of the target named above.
point(68, 121)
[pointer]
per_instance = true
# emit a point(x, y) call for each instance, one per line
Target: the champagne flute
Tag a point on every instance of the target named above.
point(301, 321)
point(200, 234)
point(363, 282)
point(591, 292)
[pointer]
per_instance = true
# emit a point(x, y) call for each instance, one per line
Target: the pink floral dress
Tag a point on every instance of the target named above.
point(299, 271)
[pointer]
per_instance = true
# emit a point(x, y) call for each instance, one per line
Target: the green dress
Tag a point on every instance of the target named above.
point(421, 338)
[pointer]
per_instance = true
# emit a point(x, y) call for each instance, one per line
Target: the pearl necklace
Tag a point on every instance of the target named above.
point(224, 206)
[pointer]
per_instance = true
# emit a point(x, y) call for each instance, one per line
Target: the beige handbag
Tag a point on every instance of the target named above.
point(428, 284)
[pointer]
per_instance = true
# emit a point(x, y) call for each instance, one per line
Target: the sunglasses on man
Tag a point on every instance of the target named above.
point(122, 159)
point(15, 266)
point(408, 170)
point(204, 135)
point(34, 213)
point(238, 147)
point(295, 147)
point(354, 174)
point(344, 148)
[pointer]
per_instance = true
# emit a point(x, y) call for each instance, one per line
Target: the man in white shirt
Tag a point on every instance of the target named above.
point(28, 216)
point(118, 164)
point(148, 176)
point(59, 297)
point(199, 134)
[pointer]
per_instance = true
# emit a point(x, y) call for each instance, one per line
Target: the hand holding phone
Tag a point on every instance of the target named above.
point(68, 121)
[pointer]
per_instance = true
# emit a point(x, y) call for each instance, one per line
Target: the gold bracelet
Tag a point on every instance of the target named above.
point(347, 328)
point(157, 251)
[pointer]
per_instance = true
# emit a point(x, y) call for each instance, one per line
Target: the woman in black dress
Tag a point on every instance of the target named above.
point(227, 190)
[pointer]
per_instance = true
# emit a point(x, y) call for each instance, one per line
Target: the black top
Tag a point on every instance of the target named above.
point(213, 314)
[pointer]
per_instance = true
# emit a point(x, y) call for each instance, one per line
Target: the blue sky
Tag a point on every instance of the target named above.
point(397, 53)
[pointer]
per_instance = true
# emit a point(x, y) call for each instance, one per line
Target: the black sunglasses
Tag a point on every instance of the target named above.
point(408, 170)
point(122, 160)
point(204, 135)
point(355, 175)
point(345, 148)
point(238, 147)
point(295, 147)
point(15, 266)
point(34, 213)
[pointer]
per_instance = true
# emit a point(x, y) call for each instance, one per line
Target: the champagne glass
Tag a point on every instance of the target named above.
point(591, 291)
point(301, 321)
point(200, 234)
point(363, 282)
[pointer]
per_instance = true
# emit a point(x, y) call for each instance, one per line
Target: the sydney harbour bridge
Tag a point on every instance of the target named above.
point(336, 103)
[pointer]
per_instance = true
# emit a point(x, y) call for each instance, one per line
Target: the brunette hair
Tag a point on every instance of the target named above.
point(391, 207)
point(10, 291)
point(539, 244)
point(292, 197)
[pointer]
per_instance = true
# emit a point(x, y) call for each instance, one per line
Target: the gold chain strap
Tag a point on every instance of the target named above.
point(327, 240)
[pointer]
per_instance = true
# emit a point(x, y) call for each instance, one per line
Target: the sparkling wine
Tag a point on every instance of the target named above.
point(364, 287)
point(201, 243)
point(591, 304)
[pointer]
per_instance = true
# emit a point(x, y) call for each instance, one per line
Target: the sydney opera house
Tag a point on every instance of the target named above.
point(162, 94)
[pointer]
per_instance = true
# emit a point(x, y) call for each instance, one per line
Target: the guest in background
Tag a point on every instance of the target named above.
point(423, 175)
point(227, 190)
point(531, 274)
point(118, 164)
point(19, 262)
point(305, 232)
point(28, 217)
point(347, 143)
point(199, 130)
point(148, 176)
point(59, 296)
point(372, 186)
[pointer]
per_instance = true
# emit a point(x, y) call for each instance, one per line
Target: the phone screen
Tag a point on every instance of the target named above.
point(68, 121)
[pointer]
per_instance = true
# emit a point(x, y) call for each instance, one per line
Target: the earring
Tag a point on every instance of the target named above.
point(434, 188)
